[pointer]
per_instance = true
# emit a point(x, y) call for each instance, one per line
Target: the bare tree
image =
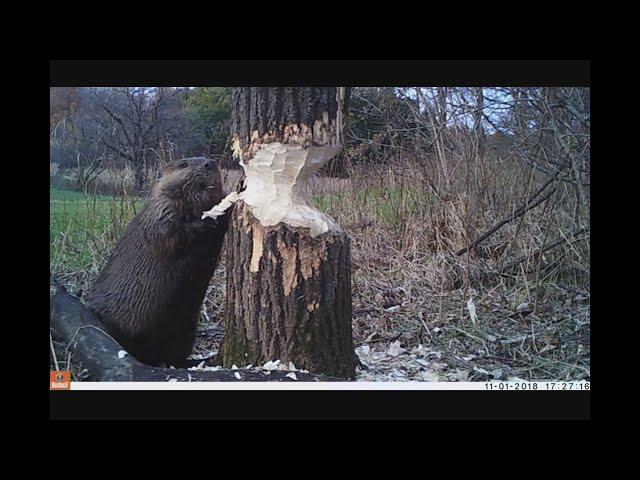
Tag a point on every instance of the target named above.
point(76, 142)
point(137, 125)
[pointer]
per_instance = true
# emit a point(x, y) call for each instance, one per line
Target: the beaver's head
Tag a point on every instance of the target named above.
point(194, 185)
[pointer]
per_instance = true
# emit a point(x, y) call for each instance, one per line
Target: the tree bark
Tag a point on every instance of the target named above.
point(288, 265)
point(288, 297)
point(291, 115)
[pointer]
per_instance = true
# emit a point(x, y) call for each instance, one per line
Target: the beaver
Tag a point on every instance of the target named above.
point(149, 292)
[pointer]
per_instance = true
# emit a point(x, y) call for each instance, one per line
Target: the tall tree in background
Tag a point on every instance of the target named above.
point(138, 122)
point(63, 102)
point(288, 265)
point(478, 117)
point(208, 110)
point(443, 96)
point(379, 125)
point(74, 139)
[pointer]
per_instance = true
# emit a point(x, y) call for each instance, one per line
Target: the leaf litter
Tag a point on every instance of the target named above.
point(431, 336)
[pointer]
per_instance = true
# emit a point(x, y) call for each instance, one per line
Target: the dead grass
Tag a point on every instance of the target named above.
point(409, 285)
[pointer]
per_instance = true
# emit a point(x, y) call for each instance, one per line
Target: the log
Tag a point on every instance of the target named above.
point(83, 332)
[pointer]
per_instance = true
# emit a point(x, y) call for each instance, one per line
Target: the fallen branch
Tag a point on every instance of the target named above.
point(556, 243)
point(84, 334)
point(519, 212)
point(575, 290)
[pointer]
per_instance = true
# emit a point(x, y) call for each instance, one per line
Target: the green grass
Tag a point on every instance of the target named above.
point(83, 228)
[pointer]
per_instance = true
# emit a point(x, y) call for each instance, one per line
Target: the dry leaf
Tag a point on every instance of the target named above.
point(429, 376)
point(270, 365)
point(395, 349)
point(472, 311)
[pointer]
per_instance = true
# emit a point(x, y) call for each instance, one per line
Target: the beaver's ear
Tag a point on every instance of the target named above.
point(173, 166)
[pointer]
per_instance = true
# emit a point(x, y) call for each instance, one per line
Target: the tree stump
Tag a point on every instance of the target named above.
point(288, 265)
point(288, 297)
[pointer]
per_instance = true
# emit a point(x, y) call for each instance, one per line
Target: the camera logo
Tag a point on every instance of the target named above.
point(60, 380)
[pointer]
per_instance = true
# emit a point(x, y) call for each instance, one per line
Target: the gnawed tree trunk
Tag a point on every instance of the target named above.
point(288, 265)
point(288, 297)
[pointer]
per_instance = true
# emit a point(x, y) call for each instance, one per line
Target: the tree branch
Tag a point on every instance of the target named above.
point(556, 243)
point(519, 212)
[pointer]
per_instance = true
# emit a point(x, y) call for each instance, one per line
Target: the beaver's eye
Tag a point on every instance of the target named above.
point(183, 165)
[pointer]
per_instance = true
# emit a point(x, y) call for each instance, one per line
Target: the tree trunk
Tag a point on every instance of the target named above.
point(443, 92)
point(288, 265)
point(337, 167)
point(288, 297)
point(139, 176)
point(477, 120)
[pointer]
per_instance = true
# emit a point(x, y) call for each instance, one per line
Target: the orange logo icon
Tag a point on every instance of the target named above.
point(60, 380)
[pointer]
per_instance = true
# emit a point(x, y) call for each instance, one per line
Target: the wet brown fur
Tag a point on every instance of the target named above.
point(151, 289)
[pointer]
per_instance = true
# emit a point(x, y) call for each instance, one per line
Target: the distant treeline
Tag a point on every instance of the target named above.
point(92, 129)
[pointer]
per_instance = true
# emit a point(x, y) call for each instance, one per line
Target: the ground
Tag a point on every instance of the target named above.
point(394, 342)
point(411, 320)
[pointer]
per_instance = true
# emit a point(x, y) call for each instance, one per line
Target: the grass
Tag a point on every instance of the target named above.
point(83, 228)
point(387, 207)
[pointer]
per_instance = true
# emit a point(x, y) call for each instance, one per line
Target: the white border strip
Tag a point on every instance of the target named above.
point(487, 386)
point(277, 386)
